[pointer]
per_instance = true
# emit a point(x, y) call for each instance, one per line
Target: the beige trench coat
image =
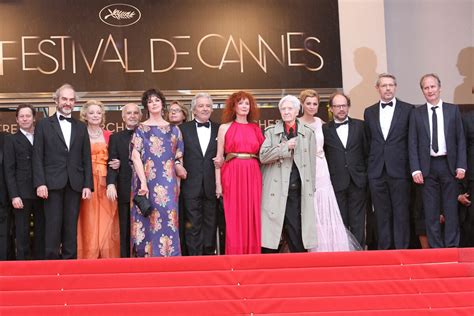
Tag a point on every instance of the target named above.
point(277, 161)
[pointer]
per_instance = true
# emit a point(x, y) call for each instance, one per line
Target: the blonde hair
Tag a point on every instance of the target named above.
point(85, 107)
point(308, 93)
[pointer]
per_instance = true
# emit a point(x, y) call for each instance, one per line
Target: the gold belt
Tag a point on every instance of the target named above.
point(231, 156)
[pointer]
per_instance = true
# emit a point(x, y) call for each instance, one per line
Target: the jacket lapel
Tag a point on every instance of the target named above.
point(57, 128)
point(332, 129)
point(446, 120)
point(350, 133)
point(23, 140)
point(195, 139)
point(426, 123)
point(377, 119)
point(212, 143)
point(395, 117)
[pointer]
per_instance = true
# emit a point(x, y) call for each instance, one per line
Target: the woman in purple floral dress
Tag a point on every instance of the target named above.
point(156, 153)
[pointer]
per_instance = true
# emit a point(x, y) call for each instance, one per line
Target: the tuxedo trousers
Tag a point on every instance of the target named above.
point(22, 230)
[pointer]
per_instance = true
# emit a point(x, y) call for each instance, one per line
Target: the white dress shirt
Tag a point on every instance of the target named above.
point(28, 135)
point(440, 119)
point(204, 135)
point(343, 131)
point(65, 128)
point(386, 115)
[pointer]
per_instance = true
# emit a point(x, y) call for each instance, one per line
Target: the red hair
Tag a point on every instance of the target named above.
point(228, 115)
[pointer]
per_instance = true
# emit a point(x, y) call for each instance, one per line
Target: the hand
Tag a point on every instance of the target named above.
point(114, 164)
point(86, 193)
point(42, 191)
point(218, 161)
point(180, 171)
point(17, 203)
point(441, 219)
point(418, 178)
point(291, 143)
point(218, 190)
point(464, 199)
point(111, 192)
point(460, 174)
point(143, 190)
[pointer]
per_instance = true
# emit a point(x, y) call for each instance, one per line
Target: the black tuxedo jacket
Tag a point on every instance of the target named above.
point(350, 162)
point(468, 125)
point(420, 142)
point(4, 201)
point(53, 164)
point(392, 152)
point(200, 168)
point(119, 148)
point(18, 165)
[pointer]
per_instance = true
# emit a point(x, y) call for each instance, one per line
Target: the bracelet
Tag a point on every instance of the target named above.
point(177, 162)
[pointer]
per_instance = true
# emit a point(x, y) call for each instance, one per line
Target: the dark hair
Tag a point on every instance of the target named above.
point(335, 94)
point(148, 94)
point(229, 114)
point(25, 105)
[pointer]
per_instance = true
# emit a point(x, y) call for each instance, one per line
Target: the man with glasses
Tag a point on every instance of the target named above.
point(388, 170)
point(345, 145)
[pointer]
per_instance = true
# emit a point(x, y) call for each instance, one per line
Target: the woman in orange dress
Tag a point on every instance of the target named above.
point(98, 234)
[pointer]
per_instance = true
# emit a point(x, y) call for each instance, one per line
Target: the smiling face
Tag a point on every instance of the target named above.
point(94, 115)
point(25, 119)
point(131, 115)
point(311, 105)
point(65, 102)
point(203, 109)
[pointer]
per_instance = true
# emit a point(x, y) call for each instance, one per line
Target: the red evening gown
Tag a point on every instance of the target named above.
point(242, 190)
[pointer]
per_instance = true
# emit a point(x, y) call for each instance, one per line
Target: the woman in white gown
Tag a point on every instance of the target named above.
point(331, 234)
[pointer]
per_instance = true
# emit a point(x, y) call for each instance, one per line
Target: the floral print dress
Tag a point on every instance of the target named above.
point(157, 235)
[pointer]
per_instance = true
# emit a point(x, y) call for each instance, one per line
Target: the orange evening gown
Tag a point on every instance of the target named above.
point(98, 232)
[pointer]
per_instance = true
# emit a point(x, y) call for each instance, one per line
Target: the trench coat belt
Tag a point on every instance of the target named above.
point(231, 156)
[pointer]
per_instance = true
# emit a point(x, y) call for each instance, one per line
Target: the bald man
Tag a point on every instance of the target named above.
point(119, 179)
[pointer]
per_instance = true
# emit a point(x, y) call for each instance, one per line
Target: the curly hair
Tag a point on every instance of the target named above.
point(229, 114)
point(83, 112)
point(148, 94)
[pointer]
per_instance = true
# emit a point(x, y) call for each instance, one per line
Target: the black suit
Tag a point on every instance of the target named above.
point(389, 175)
point(439, 173)
point(467, 213)
point(119, 148)
point(198, 191)
point(65, 172)
point(348, 169)
point(5, 212)
point(19, 178)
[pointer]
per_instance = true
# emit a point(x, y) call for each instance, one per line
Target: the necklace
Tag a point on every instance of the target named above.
point(94, 135)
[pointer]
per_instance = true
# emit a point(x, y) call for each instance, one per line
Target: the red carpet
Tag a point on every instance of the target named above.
point(410, 282)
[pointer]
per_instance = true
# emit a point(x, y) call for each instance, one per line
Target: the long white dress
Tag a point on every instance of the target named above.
point(331, 234)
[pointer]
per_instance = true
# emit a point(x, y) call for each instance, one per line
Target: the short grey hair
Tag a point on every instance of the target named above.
point(290, 98)
point(124, 108)
point(64, 86)
point(200, 95)
point(385, 75)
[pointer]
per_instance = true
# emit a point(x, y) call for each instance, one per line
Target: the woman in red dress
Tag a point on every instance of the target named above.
point(239, 180)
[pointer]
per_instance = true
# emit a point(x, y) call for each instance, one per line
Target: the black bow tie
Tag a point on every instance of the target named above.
point(385, 104)
point(340, 124)
point(62, 118)
point(130, 131)
point(206, 125)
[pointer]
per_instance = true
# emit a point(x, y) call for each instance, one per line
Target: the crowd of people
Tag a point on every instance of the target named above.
point(304, 185)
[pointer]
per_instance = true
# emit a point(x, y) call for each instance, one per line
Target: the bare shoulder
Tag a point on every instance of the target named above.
point(224, 127)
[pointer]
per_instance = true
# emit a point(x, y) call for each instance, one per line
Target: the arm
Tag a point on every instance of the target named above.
point(39, 180)
point(413, 150)
point(88, 185)
point(270, 152)
point(112, 173)
point(9, 164)
point(220, 154)
point(461, 163)
point(139, 169)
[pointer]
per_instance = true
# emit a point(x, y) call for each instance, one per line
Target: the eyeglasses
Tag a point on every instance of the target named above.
point(174, 111)
point(339, 106)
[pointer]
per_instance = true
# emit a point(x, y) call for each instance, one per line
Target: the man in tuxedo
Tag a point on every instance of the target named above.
point(437, 161)
point(345, 145)
point(19, 178)
point(198, 190)
point(119, 180)
point(5, 212)
point(62, 173)
point(387, 123)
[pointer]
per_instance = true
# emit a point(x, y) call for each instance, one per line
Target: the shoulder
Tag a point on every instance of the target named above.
point(224, 127)
point(186, 125)
point(371, 108)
